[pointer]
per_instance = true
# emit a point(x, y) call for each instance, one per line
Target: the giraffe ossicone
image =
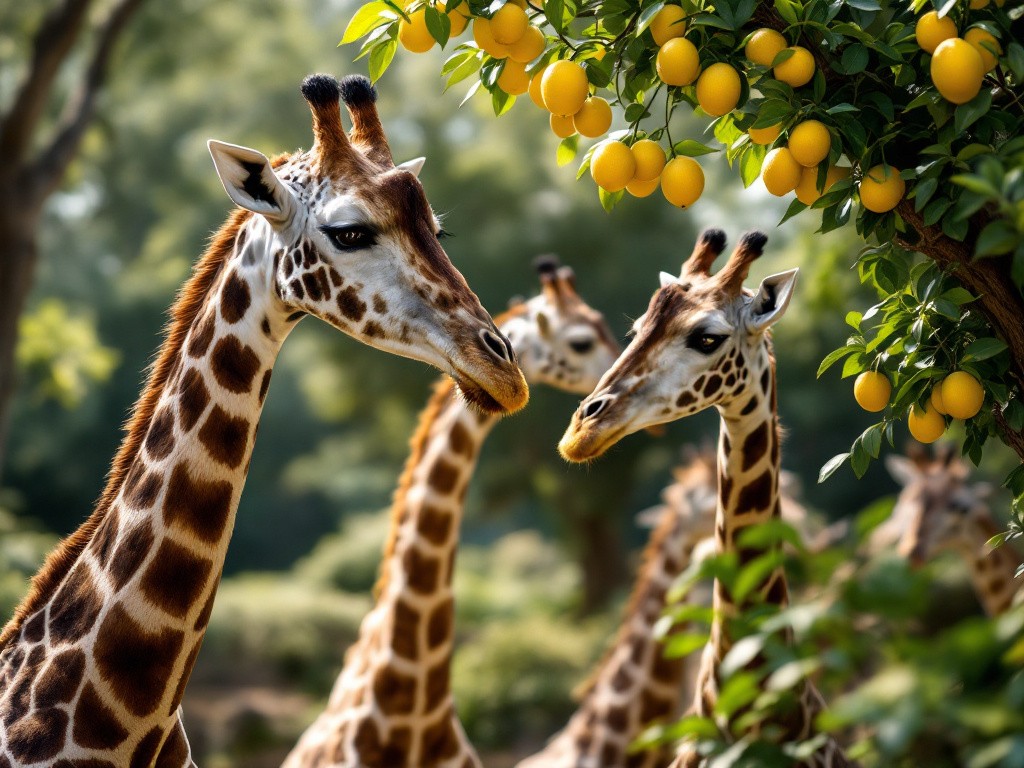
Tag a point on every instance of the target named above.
point(392, 705)
point(94, 662)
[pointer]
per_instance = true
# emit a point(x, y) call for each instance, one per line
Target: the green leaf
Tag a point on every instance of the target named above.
point(967, 114)
point(854, 59)
point(678, 646)
point(646, 17)
point(831, 466)
point(609, 199)
point(750, 163)
point(998, 237)
point(367, 19)
point(794, 208)
point(567, 149)
point(380, 59)
point(438, 24)
point(835, 356)
point(501, 102)
point(692, 148)
point(553, 12)
point(871, 439)
point(636, 112)
point(984, 348)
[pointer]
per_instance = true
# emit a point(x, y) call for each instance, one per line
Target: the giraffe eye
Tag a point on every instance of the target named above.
point(581, 346)
point(706, 342)
point(350, 238)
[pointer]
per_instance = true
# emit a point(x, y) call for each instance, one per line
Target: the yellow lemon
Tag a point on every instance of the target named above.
point(962, 395)
point(765, 136)
point(678, 62)
point(682, 181)
point(667, 24)
point(413, 34)
point(936, 399)
point(513, 79)
point(509, 23)
point(957, 70)
point(871, 390)
point(930, 30)
point(535, 82)
point(564, 87)
point(881, 188)
point(780, 172)
point(807, 191)
point(798, 69)
point(650, 160)
point(809, 142)
point(594, 118)
point(763, 46)
point(612, 166)
point(977, 5)
point(718, 89)
point(639, 188)
point(562, 126)
point(926, 424)
point(528, 47)
point(485, 40)
point(985, 43)
point(459, 17)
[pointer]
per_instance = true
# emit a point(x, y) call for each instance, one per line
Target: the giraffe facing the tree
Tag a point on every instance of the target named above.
point(94, 662)
point(391, 706)
point(704, 341)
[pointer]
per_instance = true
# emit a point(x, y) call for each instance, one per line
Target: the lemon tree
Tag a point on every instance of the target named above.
point(902, 118)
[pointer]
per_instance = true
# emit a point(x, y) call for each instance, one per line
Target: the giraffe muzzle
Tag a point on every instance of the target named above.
point(495, 344)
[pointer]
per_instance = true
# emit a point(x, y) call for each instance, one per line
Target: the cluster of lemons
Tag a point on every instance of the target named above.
point(642, 168)
point(959, 395)
point(958, 65)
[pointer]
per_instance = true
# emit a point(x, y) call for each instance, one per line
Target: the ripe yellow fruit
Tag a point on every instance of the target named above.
point(650, 160)
point(678, 62)
point(957, 70)
point(639, 188)
point(764, 45)
point(881, 188)
point(528, 47)
point(807, 191)
point(780, 172)
point(977, 5)
point(765, 136)
point(413, 34)
point(612, 165)
point(682, 181)
point(936, 399)
point(871, 390)
point(594, 118)
point(810, 142)
point(718, 89)
point(459, 17)
point(667, 24)
point(985, 43)
point(562, 126)
point(513, 79)
point(564, 87)
point(962, 395)
point(798, 69)
point(926, 424)
point(930, 30)
point(535, 94)
point(509, 23)
point(485, 40)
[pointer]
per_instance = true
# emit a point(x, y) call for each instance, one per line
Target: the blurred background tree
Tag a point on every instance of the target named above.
point(546, 543)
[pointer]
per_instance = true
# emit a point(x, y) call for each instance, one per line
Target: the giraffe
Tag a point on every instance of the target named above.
point(939, 511)
point(704, 341)
point(94, 662)
point(635, 686)
point(392, 705)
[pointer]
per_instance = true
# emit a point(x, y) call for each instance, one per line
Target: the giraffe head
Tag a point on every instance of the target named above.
point(559, 339)
point(346, 235)
point(703, 341)
point(937, 510)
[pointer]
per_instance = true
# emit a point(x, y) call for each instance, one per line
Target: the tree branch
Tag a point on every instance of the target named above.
point(55, 158)
point(53, 41)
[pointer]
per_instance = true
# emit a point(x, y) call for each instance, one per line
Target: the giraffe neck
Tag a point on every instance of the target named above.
point(392, 704)
point(114, 641)
point(993, 571)
point(635, 685)
point(748, 493)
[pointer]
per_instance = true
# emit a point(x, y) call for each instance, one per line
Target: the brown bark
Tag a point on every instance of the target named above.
point(26, 180)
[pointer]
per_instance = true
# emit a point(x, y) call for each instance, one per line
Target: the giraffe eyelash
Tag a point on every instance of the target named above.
point(443, 233)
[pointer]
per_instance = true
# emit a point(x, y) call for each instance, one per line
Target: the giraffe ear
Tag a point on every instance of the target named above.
point(251, 183)
point(771, 300)
point(903, 470)
point(413, 166)
point(666, 279)
point(543, 325)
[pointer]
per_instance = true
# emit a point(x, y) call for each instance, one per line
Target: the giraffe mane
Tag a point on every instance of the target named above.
point(189, 301)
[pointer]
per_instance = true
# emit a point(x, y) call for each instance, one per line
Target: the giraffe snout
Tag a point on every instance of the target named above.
point(594, 407)
point(495, 344)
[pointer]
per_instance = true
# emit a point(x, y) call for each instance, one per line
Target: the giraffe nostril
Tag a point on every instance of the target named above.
point(497, 345)
point(594, 407)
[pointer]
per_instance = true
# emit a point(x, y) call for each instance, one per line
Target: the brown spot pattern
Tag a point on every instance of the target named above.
point(193, 397)
point(234, 365)
point(434, 525)
point(144, 753)
point(38, 737)
point(75, 607)
point(95, 726)
point(440, 623)
point(350, 305)
point(160, 437)
point(395, 692)
point(755, 445)
point(234, 301)
point(439, 742)
point(60, 680)
point(175, 579)
point(225, 437)
point(200, 506)
point(407, 620)
point(141, 487)
point(685, 399)
point(201, 336)
point(174, 752)
point(421, 571)
point(131, 553)
point(265, 385)
point(437, 684)
point(443, 476)
point(756, 496)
